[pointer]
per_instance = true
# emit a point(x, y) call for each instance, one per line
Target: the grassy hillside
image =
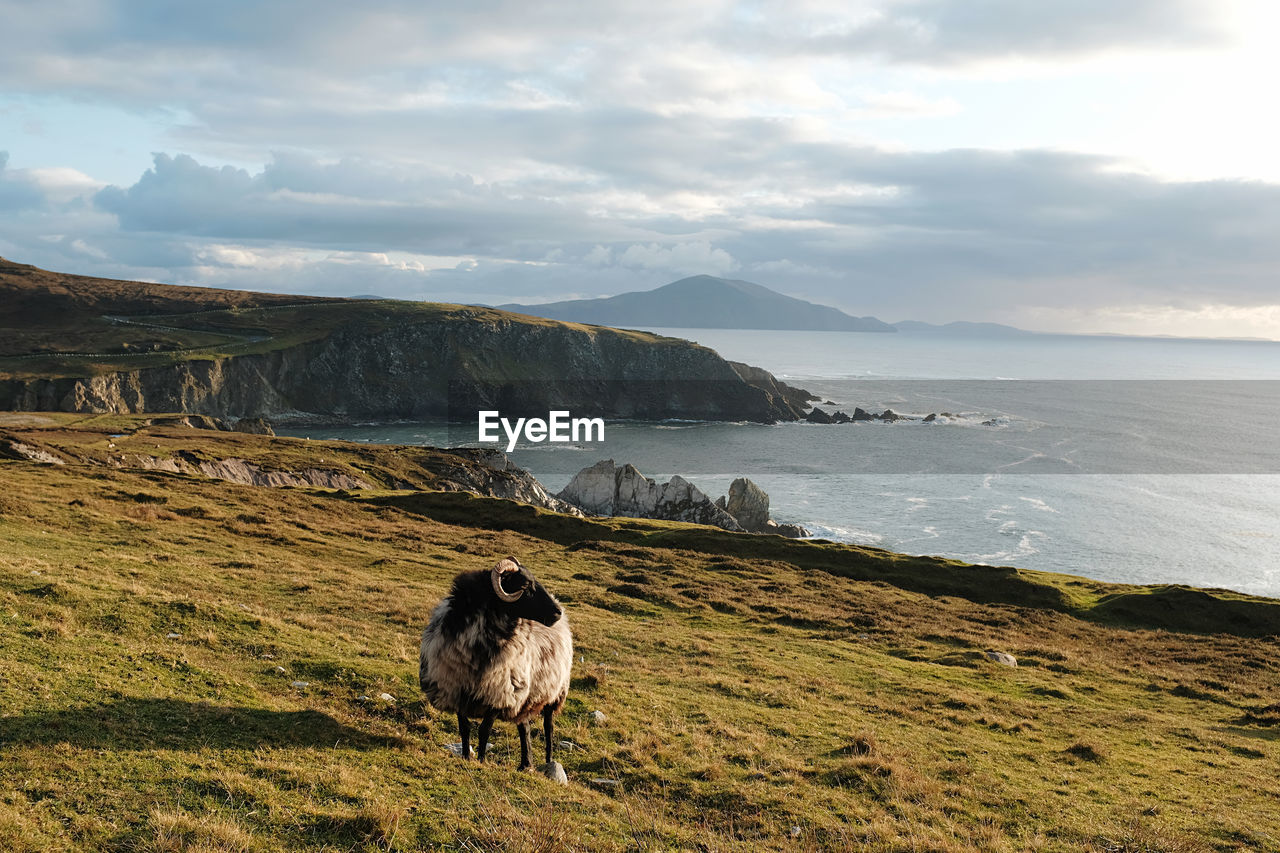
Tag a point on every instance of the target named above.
point(194, 664)
point(60, 325)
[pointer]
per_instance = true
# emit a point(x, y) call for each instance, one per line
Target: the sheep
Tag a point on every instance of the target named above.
point(498, 647)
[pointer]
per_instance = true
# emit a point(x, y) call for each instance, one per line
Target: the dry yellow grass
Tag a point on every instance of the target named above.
point(752, 701)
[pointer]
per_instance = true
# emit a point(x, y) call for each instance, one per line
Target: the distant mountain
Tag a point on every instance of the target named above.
point(961, 328)
point(705, 302)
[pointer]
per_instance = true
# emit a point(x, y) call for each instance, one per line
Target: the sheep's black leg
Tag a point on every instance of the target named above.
point(485, 725)
point(546, 730)
point(525, 763)
point(464, 730)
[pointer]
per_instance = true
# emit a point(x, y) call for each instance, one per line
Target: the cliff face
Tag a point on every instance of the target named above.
point(437, 366)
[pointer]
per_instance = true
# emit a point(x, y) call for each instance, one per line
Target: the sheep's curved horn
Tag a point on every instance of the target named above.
point(505, 567)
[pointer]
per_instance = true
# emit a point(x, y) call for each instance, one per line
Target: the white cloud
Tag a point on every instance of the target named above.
point(679, 259)
point(902, 103)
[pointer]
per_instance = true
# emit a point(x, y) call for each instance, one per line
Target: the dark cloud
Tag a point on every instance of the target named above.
point(346, 205)
point(959, 231)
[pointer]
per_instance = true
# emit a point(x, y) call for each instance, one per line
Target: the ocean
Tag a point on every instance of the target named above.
point(1135, 460)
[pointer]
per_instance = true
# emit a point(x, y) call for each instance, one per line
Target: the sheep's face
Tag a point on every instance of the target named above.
point(522, 595)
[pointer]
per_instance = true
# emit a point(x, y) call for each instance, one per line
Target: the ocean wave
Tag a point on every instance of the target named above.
point(851, 535)
point(1038, 504)
point(1025, 548)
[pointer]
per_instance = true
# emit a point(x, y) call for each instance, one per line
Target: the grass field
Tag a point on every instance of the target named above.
point(191, 664)
point(57, 325)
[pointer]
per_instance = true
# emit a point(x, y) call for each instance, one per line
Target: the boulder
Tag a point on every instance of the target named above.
point(255, 426)
point(930, 418)
point(890, 416)
point(1002, 658)
point(839, 417)
point(593, 490)
point(190, 421)
point(748, 504)
point(861, 414)
point(555, 772)
point(791, 531)
point(817, 416)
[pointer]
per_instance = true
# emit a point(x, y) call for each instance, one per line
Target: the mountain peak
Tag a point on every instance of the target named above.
point(708, 302)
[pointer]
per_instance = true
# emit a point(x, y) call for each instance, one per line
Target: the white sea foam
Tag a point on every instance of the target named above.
point(844, 534)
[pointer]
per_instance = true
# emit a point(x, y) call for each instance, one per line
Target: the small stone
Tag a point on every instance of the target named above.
point(267, 656)
point(605, 783)
point(363, 698)
point(173, 635)
point(555, 772)
point(864, 636)
point(1002, 658)
point(597, 717)
point(456, 749)
point(795, 832)
point(569, 745)
point(300, 684)
point(278, 670)
point(387, 697)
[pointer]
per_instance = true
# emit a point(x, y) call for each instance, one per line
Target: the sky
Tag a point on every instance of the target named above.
point(1059, 165)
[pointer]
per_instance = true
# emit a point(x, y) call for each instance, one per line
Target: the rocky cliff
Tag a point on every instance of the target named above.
point(371, 361)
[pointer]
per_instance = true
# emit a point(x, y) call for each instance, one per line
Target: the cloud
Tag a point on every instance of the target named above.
point(681, 259)
point(941, 235)
point(953, 32)
point(17, 190)
point(498, 151)
point(346, 205)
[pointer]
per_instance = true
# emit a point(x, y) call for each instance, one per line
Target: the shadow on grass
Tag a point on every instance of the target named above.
point(144, 723)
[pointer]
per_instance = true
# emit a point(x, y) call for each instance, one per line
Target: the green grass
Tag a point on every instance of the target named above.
point(92, 346)
point(753, 687)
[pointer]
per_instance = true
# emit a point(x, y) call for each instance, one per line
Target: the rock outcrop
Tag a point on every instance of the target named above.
point(191, 422)
point(606, 489)
point(249, 474)
point(223, 455)
point(490, 473)
point(748, 504)
point(254, 426)
point(796, 398)
point(791, 531)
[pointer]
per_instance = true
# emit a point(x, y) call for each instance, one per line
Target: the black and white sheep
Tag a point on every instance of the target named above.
point(498, 647)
